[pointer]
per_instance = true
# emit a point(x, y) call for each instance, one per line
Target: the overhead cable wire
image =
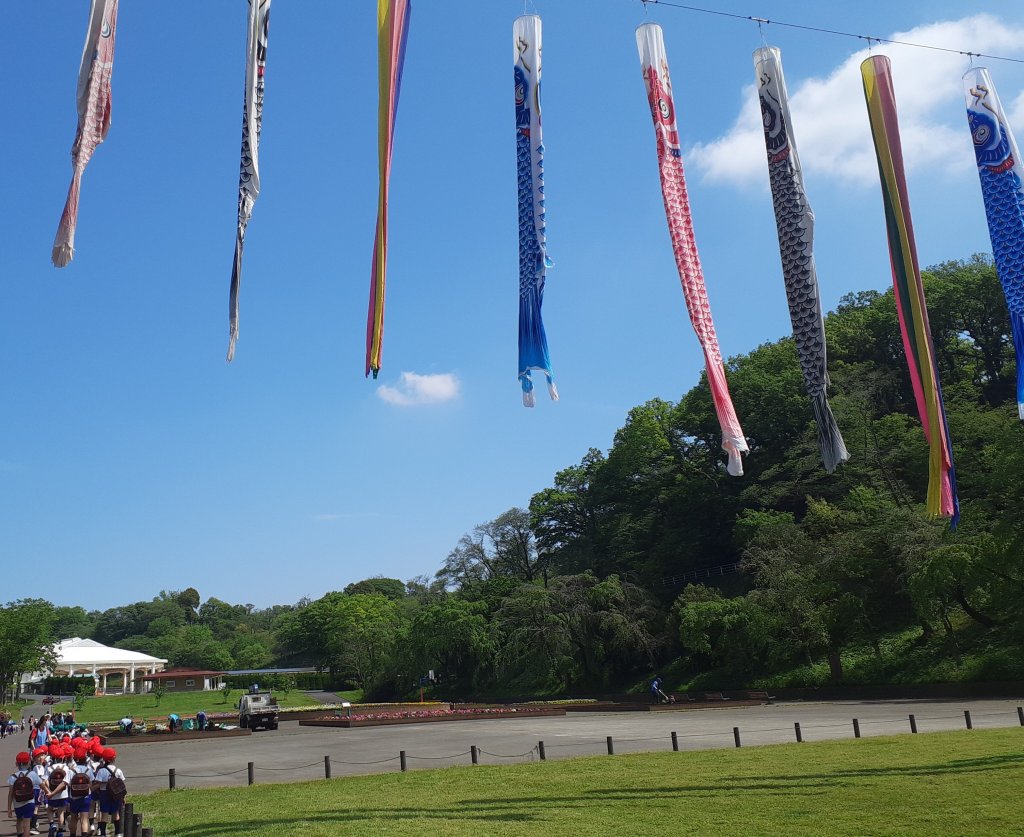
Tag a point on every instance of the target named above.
point(871, 39)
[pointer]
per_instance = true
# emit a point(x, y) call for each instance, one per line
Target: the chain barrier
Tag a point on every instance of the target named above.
point(533, 751)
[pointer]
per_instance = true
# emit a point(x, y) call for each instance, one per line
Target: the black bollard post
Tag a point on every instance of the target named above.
point(856, 728)
point(126, 816)
point(474, 754)
point(736, 735)
point(799, 735)
point(967, 719)
point(137, 825)
point(147, 832)
point(675, 742)
point(171, 779)
point(252, 772)
point(611, 746)
point(401, 759)
point(1020, 715)
point(327, 767)
point(913, 724)
point(540, 751)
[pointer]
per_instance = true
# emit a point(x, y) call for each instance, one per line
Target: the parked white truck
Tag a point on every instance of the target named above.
point(257, 709)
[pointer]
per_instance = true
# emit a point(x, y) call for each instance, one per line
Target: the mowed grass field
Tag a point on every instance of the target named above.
point(115, 707)
point(958, 783)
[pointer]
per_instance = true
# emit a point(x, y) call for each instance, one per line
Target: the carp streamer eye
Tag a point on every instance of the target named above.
point(665, 110)
point(982, 134)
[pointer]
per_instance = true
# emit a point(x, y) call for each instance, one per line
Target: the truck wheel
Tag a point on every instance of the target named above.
point(243, 722)
point(273, 725)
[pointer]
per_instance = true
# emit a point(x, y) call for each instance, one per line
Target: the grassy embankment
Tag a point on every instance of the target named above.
point(115, 707)
point(902, 658)
point(940, 783)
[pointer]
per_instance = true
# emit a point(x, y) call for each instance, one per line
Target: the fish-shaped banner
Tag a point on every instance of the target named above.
point(93, 116)
point(794, 219)
point(654, 63)
point(392, 33)
point(1001, 171)
point(252, 125)
point(533, 256)
point(876, 73)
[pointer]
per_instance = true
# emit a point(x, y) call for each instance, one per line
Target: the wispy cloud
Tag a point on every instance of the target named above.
point(414, 390)
point(330, 516)
point(830, 118)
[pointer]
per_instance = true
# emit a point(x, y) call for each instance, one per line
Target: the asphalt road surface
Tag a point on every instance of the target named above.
point(295, 753)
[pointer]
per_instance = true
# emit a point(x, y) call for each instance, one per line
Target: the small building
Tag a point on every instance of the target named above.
point(77, 657)
point(186, 680)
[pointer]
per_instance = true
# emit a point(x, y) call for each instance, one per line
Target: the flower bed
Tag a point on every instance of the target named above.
point(426, 716)
point(119, 738)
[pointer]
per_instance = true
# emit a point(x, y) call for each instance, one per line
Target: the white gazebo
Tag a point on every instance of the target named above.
point(84, 657)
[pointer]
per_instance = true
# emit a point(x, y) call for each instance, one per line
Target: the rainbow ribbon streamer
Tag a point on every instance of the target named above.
point(1001, 171)
point(392, 33)
point(533, 255)
point(654, 63)
point(909, 290)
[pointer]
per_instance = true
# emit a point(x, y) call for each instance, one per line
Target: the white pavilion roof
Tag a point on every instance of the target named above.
point(81, 653)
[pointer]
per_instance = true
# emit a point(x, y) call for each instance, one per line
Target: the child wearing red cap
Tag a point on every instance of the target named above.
point(23, 787)
point(56, 789)
point(39, 759)
point(110, 787)
point(80, 781)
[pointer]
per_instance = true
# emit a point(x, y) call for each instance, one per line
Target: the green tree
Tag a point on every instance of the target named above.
point(362, 632)
point(26, 637)
point(390, 588)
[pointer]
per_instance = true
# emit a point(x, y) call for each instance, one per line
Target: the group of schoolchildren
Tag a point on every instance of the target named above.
point(74, 783)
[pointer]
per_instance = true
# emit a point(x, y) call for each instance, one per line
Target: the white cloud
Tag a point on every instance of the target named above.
point(830, 117)
point(414, 390)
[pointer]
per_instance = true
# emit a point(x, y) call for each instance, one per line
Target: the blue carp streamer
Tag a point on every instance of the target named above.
point(533, 258)
point(1001, 172)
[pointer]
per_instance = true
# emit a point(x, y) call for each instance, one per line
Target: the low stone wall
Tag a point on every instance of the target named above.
point(356, 721)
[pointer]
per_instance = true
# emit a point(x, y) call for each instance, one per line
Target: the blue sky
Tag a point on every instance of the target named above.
point(133, 458)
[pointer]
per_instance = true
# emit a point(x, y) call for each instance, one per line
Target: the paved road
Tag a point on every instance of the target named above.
point(294, 753)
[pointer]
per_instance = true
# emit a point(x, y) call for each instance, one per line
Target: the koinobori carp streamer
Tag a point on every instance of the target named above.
point(654, 63)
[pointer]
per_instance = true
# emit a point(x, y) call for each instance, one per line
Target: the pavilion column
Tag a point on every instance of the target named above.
point(104, 682)
point(132, 678)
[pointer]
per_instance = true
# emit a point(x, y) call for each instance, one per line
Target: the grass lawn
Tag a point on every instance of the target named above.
point(115, 707)
point(941, 783)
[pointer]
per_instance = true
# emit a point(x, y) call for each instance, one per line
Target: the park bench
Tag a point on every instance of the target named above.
point(759, 695)
point(714, 696)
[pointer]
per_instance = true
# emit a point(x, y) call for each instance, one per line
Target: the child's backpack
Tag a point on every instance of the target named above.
point(81, 784)
point(24, 790)
point(56, 777)
point(116, 788)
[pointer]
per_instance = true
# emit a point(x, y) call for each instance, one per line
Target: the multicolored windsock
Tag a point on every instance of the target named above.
point(795, 221)
point(533, 256)
point(252, 124)
point(93, 116)
point(392, 32)
point(1001, 171)
point(906, 279)
point(654, 62)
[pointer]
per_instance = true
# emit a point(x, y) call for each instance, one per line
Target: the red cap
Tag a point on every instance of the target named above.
point(56, 751)
point(96, 746)
point(22, 758)
point(109, 754)
point(39, 751)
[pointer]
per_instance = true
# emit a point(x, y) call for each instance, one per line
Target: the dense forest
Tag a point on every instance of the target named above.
point(648, 556)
